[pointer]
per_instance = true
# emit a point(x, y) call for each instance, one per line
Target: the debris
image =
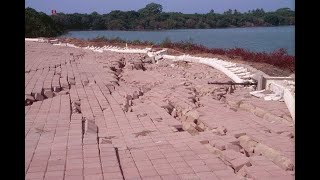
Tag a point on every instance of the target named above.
point(143, 133)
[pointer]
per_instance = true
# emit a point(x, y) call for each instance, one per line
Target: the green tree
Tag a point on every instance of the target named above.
point(285, 12)
point(151, 9)
point(272, 19)
point(38, 24)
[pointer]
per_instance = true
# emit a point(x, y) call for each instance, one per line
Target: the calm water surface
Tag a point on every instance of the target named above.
point(255, 39)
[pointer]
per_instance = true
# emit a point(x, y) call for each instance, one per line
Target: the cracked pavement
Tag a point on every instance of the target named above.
point(120, 116)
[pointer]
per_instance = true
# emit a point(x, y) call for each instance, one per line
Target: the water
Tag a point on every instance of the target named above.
point(256, 39)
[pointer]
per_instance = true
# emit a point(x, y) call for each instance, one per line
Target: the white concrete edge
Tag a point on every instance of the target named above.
point(287, 96)
point(43, 40)
point(279, 78)
point(31, 39)
point(289, 99)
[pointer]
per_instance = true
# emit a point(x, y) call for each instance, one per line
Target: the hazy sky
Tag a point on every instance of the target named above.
point(184, 6)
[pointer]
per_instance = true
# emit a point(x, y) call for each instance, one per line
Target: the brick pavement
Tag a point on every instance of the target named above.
point(113, 116)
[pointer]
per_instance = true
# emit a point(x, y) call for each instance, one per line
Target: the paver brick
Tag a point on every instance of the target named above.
point(230, 155)
point(239, 162)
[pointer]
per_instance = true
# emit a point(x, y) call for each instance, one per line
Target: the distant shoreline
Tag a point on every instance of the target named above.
point(157, 30)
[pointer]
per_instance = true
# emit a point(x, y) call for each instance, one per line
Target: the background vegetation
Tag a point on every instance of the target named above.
point(151, 17)
point(38, 24)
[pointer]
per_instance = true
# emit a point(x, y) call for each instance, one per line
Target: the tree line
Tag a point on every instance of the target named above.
point(152, 17)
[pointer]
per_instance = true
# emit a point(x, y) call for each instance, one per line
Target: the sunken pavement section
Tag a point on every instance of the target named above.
point(121, 116)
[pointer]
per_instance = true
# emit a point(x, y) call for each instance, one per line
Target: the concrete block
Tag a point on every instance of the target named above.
point(38, 97)
point(234, 147)
point(230, 155)
point(48, 93)
point(261, 82)
point(90, 127)
point(219, 144)
point(239, 162)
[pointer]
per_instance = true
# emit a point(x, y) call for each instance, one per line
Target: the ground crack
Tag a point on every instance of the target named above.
point(119, 162)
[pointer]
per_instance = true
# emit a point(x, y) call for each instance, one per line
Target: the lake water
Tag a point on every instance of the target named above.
point(255, 39)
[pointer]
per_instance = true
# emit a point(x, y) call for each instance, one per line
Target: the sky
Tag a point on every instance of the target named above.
point(184, 6)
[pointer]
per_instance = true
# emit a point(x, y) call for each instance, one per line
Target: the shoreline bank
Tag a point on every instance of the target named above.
point(155, 30)
point(277, 63)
